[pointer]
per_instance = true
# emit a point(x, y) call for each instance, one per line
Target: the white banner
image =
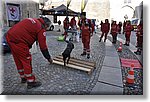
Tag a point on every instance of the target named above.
point(13, 12)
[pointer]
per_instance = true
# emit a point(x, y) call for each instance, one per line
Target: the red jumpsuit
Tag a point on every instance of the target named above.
point(92, 26)
point(20, 39)
point(128, 29)
point(114, 31)
point(105, 29)
point(73, 23)
point(119, 27)
point(66, 26)
point(86, 34)
point(124, 24)
point(139, 35)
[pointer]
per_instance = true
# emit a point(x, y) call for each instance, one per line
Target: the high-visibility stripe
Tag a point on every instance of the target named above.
point(21, 70)
point(28, 75)
point(30, 80)
point(22, 76)
point(28, 58)
point(130, 76)
point(131, 81)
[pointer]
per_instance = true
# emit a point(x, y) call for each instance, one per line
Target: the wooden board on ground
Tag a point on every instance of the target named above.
point(76, 63)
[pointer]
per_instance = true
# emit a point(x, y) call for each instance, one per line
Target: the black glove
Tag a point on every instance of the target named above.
point(50, 60)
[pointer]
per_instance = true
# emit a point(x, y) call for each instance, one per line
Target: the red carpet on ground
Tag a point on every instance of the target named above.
point(128, 62)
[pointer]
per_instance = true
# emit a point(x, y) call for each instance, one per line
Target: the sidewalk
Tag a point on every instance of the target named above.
point(110, 77)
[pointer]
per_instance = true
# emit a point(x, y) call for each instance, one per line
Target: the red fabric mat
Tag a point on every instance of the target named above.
point(128, 62)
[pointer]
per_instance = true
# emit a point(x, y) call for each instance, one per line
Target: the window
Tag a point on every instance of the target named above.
point(127, 1)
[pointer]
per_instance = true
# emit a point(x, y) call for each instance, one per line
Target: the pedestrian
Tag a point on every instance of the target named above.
point(73, 27)
point(93, 26)
point(105, 30)
point(124, 24)
point(86, 34)
point(119, 27)
point(114, 31)
point(73, 23)
point(139, 34)
point(128, 29)
point(101, 25)
point(111, 25)
point(59, 23)
point(66, 26)
point(20, 39)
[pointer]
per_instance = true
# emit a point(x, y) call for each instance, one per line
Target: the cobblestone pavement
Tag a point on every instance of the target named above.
point(58, 79)
point(55, 79)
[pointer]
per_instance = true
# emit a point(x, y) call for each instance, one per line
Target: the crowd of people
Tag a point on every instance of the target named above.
point(21, 37)
point(121, 28)
point(115, 29)
point(86, 27)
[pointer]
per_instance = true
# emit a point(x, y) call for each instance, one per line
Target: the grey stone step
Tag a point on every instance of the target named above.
point(111, 75)
point(105, 89)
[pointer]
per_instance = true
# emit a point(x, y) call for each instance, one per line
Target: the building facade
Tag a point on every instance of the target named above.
point(95, 9)
point(24, 9)
point(121, 8)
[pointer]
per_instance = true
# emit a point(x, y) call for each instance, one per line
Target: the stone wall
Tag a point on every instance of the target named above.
point(28, 8)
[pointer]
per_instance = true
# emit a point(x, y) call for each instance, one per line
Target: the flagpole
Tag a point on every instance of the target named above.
point(68, 3)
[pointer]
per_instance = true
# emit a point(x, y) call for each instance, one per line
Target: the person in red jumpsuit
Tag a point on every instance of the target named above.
point(101, 25)
point(111, 25)
point(128, 29)
point(86, 34)
point(105, 30)
point(20, 39)
point(139, 34)
point(124, 24)
point(73, 23)
point(66, 26)
point(73, 27)
point(114, 31)
point(119, 27)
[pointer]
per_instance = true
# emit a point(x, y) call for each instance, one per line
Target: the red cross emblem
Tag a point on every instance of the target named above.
point(12, 10)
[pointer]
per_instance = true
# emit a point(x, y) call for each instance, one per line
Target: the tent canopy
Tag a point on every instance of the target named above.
point(60, 11)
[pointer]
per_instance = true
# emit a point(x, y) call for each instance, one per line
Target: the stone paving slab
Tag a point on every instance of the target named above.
point(111, 54)
point(110, 47)
point(111, 61)
point(105, 89)
point(111, 75)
